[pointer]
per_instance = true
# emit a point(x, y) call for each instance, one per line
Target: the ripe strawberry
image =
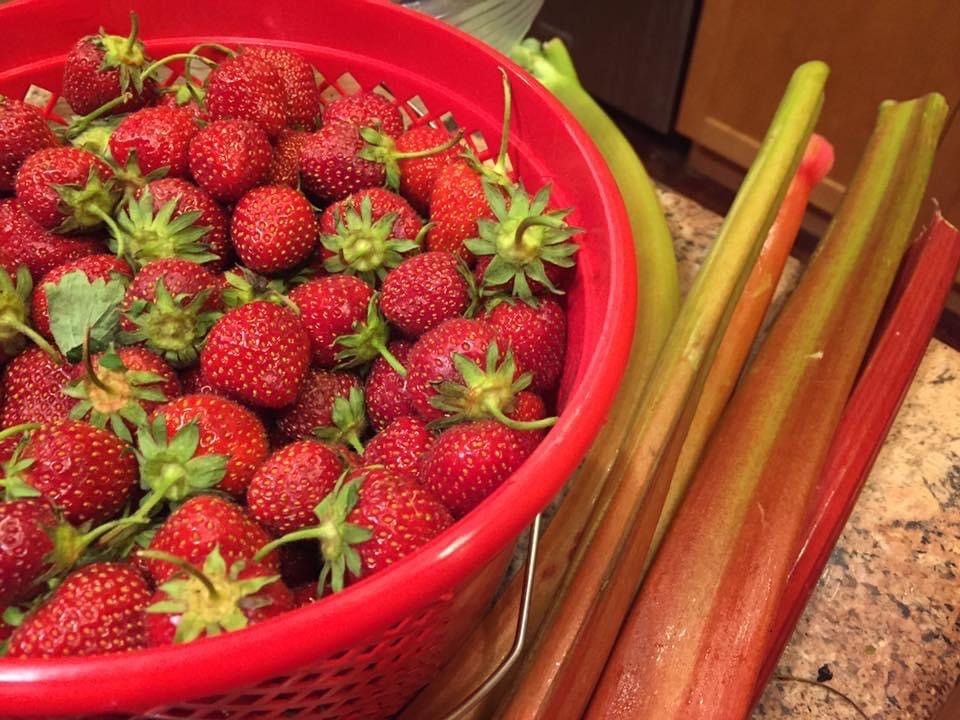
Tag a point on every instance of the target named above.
point(424, 290)
point(93, 266)
point(382, 202)
point(229, 157)
point(185, 607)
point(469, 461)
point(180, 277)
point(536, 335)
point(400, 447)
point(329, 308)
point(247, 87)
point(24, 242)
point(33, 389)
point(331, 165)
point(366, 109)
point(25, 540)
point(457, 202)
point(259, 353)
point(289, 485)
point(385, 389)
point(314, 407)
point(65, 188)
point(97, 609)
point(419, 174)
point(304, 106)
point(273, 229)
point(86, 472)
point(199, 525)
point(100, 67)
point(431, 361)
point(23, 131)
point(158, 136)
point(191, 198)
point(226, 428)
point(285, 168)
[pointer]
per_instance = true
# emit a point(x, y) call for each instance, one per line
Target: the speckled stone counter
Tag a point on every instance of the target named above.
point(882, 626)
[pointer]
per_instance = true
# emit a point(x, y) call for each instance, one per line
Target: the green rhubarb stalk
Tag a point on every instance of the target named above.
point(562, 666)
point(696, 638)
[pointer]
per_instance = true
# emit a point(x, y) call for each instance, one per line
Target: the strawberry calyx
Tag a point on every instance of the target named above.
point(367, 342)
point(14, 310)
point(208, 600)
point(84, 312)
point(365, 247)
point(86, 206)
point(486, 393)
point(127, 54)
point(131, 178)
point(171, 326)
point(15, 486)
point(524, 236)
point(381, 148)
point(245, 286)
point(349, 421)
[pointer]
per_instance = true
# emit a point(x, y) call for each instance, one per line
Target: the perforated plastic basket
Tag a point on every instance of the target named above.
point(363, 652)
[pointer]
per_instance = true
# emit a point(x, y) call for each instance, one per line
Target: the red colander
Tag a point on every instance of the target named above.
point(364, 652)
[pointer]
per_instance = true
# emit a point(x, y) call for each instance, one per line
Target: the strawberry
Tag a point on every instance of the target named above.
point(202, 523)
point(331, 164)
point(289, 485)
point(226, 428)
point(100, 67)
point(419, 174)
point(190, 199)
point(25, 541)
point(385, 389)
point(229, 157)
point(97, 609)
point(536, 335)
point(33, 389)
point(529, 408)
point(65, 188)
point(457, 202)
point(180, 95)
point(365, 109)
point(304, 106)
point(285, 167)
point(259, 353)
point(424, 290)
point(273, 229)
point(193, 382)
point(329, 308)
point(314, 407)
point(205, 602)
point(92, 266)
point(246, 87)
point(23, 131)
point(24, 242)
point(400, 447)
point(158, 137)
point(86, 472)
point(180, 277)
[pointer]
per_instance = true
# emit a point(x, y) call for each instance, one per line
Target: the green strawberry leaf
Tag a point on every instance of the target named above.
point(76, 304)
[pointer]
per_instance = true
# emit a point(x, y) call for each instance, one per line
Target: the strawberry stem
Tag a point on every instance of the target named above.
point(88, 363)
point(389, 357)
point(214, 46)
point(134, 31)
point(499, 415)
point(34, 336)
point(318, 532)
point(176, 56)
point(114, 229)
point(18, 429)
point(453, 140)
point(187, 567)
point(78, 125)
point(501, 164)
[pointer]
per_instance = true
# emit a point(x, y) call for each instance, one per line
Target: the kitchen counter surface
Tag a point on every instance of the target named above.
point(882, 627)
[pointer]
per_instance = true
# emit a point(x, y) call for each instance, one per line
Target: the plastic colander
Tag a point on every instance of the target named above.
point(364, 652)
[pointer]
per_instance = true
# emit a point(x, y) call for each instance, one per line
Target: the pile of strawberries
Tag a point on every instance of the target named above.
point(256, 347)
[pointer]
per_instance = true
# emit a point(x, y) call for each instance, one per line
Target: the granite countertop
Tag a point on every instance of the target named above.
point(882, 626)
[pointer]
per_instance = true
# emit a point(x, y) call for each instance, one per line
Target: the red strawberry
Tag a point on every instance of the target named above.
point(191, 198)
point(457, 202)
point(199, 525)
point(400, 447)
point(304, 105)
point(100, 67)
point(229, 157)
point(179, 95)
point(366, 109)
point(33, 389)
point(93, 266)
point(382, 202)
point(289, 485)
point(247, 87)
point(537, 337)
point(469, 461)
point(22, 241)
point(65, 188)
point(25, 539)
point(285, 168)
point(98, 609)
point(184, 608)
point(386, 389)
point(180, 277)
point(23, 131)
point(273, 229)
point(425, 290)
point(315, 404)
point(329, 307)
point(226, 428)
point(259, 353)
point(331, 167)
point(86, 472)
point(160, 138)
point(419, 174)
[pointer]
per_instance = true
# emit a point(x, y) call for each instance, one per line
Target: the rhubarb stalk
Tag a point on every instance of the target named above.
point(694, 643)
